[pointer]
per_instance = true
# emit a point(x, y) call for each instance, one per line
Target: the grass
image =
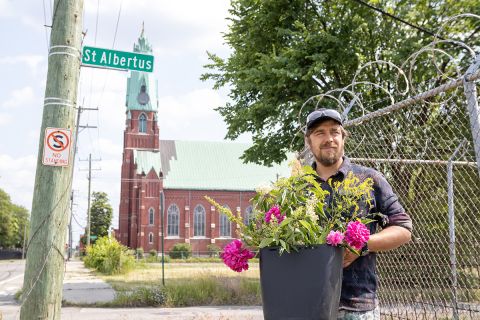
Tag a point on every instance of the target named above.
point(186, 284)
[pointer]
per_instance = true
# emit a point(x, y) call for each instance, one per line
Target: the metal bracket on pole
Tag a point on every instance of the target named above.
point(451, 228)
point(470, 90)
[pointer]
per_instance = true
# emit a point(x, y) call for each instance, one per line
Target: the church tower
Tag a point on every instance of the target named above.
point(140, 186)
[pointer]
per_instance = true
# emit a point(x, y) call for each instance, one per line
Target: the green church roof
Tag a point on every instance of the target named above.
point(199, 165)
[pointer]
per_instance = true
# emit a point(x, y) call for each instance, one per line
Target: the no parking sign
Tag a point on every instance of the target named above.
point(56, 147)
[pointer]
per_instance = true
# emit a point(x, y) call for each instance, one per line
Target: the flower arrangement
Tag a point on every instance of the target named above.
point(294, 212)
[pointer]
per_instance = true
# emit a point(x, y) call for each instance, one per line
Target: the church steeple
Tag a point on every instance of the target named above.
point(142, 86)
point(142, 45)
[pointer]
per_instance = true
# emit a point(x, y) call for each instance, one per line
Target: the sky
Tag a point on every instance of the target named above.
point(180, 31)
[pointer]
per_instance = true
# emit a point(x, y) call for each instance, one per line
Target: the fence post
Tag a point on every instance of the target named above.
point(470, 90)
point(451, 229)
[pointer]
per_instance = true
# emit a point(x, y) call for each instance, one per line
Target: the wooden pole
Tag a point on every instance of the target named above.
point(43, 280)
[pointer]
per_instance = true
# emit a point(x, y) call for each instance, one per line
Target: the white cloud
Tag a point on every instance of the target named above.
point(17, 177)
point(109, 148)
point(5, 119)
point(6, 10)
point(30, 60)
point(20, 98)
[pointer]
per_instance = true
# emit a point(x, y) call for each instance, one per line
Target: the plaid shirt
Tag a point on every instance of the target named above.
point(359, 284)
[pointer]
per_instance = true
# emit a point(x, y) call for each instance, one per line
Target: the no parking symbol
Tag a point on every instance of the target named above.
point(56, 149)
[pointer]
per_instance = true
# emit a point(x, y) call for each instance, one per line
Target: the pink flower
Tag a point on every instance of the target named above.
point(275, 212)
point(356, 235)
point(335, 238)
point(236, 257)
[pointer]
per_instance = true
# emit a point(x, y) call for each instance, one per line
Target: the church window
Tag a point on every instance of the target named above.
point(151, 216)
point(249, 215)
point(224, 225)
point(150, 237)
point(199, 221)
point(142, 123)
point(173, 214)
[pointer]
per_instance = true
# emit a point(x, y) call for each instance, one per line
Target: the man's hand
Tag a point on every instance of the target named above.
point(348, 258)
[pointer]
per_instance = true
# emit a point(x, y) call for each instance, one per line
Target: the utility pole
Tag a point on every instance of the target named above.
point(77, 131)
point(89, 195)
point(89, 177)
point(70, 228)
point(44, 272)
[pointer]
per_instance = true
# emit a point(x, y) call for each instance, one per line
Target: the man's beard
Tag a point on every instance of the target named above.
point(327, 160)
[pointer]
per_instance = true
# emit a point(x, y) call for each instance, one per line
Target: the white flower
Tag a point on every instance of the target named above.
point(310, 207)
point(263, 189)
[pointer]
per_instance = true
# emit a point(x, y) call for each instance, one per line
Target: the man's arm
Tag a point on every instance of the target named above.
point(389, 238)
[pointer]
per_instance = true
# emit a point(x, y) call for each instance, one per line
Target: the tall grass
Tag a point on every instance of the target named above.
point(186, 284)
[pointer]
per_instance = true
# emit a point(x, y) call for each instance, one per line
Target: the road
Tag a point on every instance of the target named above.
point(11, 280)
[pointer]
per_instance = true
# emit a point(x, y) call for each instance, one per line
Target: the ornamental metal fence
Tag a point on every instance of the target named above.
point(428, 148)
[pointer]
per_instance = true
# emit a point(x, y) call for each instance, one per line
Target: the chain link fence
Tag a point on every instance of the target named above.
point(428, 148)
point(437, 275)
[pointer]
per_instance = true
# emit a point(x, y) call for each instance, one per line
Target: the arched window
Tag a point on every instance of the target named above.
point(151, 216)
point(199, 221)
point(173, 214)
point(142, 123)
point(249, 215)
point(150, 237)
point(224, 225)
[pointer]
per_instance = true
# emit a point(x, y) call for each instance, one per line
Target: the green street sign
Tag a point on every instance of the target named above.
point(117, 59)
point(93, 237)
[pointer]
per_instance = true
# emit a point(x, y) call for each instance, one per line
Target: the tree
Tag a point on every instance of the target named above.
point(101, 215)
point(278, 45)
point(13, 222)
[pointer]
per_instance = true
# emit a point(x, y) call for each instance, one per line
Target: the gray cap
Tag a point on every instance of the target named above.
point(322, 114)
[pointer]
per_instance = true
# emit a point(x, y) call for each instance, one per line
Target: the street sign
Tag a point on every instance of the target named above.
point(117, 59)
point(56, 147)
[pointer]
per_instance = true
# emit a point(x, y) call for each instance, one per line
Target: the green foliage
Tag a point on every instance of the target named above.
point(305, 220)
point(14, 221)
point(140, 297)
point(158, 259)
point(213, 250)
point(278, 45)
point(101, 214)
point(180, 251)
point(139, 253)
point(153, 253)
point(108, 256)
point(202, 291)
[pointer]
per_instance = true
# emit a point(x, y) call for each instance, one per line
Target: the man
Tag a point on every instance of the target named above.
point(325, 136)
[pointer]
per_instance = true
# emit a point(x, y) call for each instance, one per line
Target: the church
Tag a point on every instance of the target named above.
point(182, 173)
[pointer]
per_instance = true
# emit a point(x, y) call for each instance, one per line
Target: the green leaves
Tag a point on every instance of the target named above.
point(278, 45)
point(14, 220)
point(101, 214)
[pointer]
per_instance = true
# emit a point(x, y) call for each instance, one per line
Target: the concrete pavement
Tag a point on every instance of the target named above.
point(192, 313)
point(81, 286)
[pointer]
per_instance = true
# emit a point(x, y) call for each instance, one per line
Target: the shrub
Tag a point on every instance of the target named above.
point(108, 256)
point(213, 250)
point(153, 253)
point(141, 297)
point(139, 253)
point(181, 251)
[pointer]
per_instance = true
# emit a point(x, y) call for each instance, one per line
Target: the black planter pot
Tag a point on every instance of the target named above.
point(301, 285)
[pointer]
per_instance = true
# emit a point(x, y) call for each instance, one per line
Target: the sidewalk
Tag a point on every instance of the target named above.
point(192, 313)
point(80, 285)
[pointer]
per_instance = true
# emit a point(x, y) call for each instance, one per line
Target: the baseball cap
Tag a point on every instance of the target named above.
point(322, 114)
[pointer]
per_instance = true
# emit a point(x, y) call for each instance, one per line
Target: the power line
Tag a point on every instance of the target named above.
point(399, 19)
point(116, 26)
